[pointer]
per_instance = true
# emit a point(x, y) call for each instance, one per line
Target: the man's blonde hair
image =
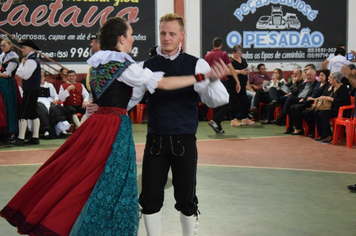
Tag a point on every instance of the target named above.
point(172, 17)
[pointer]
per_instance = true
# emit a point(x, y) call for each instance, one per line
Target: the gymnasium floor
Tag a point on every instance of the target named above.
point(253, 180)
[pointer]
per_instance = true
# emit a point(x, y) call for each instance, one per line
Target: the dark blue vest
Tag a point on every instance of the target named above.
point(34, 82)
point(176, 111)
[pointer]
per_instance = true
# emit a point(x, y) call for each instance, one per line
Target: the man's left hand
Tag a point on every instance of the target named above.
point(218, 70)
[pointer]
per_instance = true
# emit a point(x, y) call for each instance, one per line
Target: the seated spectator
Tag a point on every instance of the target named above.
point(338, 96)
point(338, 61)
point(304, 92)
point(75, 97)
point(294, 88)
point(257, 81)
point(53, 117)
point(61, 79)
point(250, 93)
point(296, 111)
point(306, 68)
point(277, 87)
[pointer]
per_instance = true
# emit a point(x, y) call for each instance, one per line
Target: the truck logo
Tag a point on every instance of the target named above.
point(277, 21)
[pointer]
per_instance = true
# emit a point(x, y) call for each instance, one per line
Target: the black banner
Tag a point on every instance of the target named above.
point(276, 29)
point(62, 28)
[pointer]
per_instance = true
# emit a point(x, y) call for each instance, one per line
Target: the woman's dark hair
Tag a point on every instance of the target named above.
point(280, 73)
point(110, 32)
point(326, 72)
point(59, 75)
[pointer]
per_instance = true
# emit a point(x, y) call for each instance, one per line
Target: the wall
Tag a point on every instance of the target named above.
point(193, 34)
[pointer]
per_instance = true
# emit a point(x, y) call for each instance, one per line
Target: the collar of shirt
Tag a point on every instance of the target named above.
point(30, 54)
point(159, 52)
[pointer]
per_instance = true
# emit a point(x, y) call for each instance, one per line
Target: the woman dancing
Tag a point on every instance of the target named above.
point(88, 186)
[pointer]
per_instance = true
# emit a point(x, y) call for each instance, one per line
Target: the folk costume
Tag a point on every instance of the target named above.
point(171, 141)
point(30, 73)
point(53, 118)
point(89, 186)
point(9, 62)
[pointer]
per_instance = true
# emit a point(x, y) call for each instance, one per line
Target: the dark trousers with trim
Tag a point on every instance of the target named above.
point(178, 152)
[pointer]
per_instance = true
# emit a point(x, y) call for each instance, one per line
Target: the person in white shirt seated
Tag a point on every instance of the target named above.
point(53, 117)
point(75, 97)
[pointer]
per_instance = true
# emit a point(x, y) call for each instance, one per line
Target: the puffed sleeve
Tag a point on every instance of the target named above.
point(213, 94)
point(140, 79)
point(136, 76)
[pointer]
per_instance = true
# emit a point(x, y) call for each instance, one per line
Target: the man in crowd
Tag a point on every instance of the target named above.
point(53, 117)
point(213, 56)
point(30, 72)
point(75, 97)
point(256, 81)
point(304, 90)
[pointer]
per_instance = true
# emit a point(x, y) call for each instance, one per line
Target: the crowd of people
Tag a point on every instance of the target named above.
point(295, 97)
point(92, 176)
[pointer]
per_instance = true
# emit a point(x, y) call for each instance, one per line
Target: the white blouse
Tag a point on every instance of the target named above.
point(12, 65)
point(211, 93)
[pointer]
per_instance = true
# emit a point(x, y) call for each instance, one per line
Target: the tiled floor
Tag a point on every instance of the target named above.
point(252, 181)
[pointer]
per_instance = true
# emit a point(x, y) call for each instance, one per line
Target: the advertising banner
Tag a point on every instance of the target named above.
point(62, 28)
point(277, 30)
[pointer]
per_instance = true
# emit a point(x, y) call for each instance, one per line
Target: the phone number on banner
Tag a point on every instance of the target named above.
point(80, 52)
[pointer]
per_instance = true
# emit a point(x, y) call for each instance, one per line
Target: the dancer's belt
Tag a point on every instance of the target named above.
point(112, 111)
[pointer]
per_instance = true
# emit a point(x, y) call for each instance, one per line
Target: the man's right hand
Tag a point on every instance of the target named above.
point(92, 108)
point(71, 87)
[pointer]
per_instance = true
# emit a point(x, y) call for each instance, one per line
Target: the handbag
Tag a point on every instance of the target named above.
point(322, 105)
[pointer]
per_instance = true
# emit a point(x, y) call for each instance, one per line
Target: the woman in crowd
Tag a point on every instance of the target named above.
point(308, 114)
point(275, 86)
point(240, 65)
point(9, 62)
point(89, 186)
point(339, 96)
point(61, 79)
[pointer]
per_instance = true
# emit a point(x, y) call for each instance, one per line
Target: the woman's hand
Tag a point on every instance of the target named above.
point(92, 108)
point(238, 87)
